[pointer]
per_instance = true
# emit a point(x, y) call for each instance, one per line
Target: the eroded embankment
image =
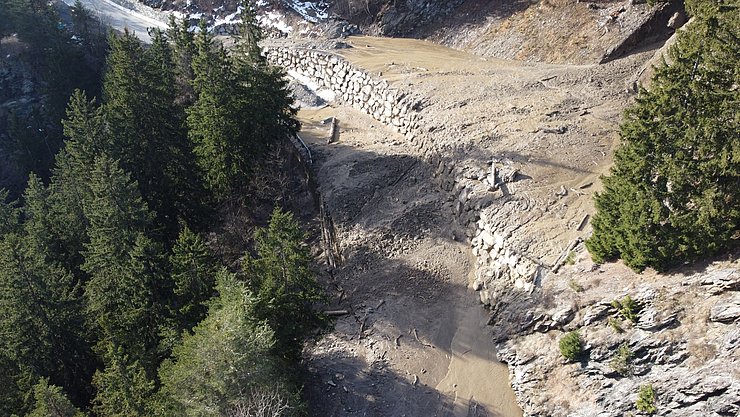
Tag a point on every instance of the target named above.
point(517, 150)
point(414, 341)
point(469, 378)
point(473, 198)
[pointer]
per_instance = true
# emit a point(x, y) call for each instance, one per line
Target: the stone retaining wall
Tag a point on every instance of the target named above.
point(478, 203)
point(351, 85)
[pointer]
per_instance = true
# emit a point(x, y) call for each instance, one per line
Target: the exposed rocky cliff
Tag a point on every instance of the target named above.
point(684, 341)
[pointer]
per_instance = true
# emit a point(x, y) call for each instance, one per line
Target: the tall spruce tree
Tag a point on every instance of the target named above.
point(84, 129)
point(193, 272)
point(123, 264)
point(123, 388)
point(50, 401)
point(40, 221)
point(223, 146)
point(184, 188)
point(42, 324)
point(146, 126)
point(213, 370)
point(183, 51)
point(285, 287)
point(124, 98)
point(674, 192)
point(65, 223)
point(242, 108)
point(262, 87)
point(250, 34)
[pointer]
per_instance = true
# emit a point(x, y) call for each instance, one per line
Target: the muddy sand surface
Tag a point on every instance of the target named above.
point(415, 342)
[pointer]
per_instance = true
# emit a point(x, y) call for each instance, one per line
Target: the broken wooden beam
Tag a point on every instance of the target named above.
point(561, 260)
point(336, 313)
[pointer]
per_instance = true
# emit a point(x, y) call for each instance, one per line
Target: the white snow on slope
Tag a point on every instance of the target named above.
point(311, 11)
point(120, 17)
point(275, 20)
point(325, 94)
point(230, 18)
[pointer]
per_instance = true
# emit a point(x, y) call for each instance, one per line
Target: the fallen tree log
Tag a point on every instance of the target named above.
point(335, 313)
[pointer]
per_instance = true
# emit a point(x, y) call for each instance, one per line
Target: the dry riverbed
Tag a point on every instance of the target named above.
point(416, 341)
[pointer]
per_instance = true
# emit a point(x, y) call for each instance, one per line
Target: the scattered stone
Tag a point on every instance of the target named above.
point(653, 320)
point(726, 311)
point(720, 281)
point(563, 316)
point(558, 130)
point(487, 239)
point(595, 313)
point(677, 20)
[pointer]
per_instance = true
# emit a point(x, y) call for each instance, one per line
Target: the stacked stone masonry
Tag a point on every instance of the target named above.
point(499, 264)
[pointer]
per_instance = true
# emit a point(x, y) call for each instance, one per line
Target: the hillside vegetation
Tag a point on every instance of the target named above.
point(673, 194)
point(35, 84)
point(112, 302)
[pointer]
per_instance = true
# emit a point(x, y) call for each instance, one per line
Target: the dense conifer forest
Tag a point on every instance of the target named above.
point(111, 301)
point(42, 65)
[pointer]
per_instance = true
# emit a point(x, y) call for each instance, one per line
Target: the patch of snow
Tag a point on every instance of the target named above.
point(325, 94)
point(275, 20)
point(109, 9)
point(311, 11)
point(231, 18)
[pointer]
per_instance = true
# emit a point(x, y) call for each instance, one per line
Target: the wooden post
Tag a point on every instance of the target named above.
point(334, 132)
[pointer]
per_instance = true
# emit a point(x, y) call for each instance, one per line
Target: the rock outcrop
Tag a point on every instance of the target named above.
point(685, 343)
